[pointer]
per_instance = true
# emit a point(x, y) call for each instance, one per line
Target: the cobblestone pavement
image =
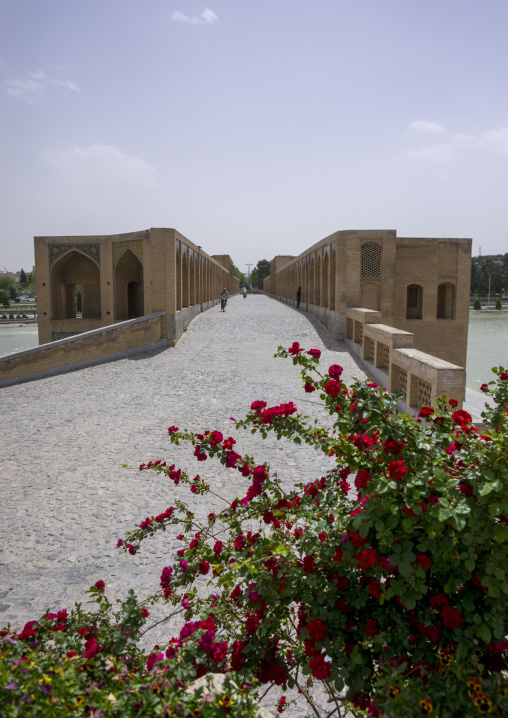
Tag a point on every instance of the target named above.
point(66, 498)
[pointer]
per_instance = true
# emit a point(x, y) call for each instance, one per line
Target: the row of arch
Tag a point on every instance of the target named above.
point(445, 308)
point(314, 274)
point(198, 280)
point(76, 284)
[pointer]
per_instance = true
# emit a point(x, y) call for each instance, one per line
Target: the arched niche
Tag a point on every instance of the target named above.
point(129, 287)
point(311, 282)
point(72, 271)
point(317, 284)
point(332, 281)
point(325, 282)
point(370, 296)
point(414, 301)
point(446, 301)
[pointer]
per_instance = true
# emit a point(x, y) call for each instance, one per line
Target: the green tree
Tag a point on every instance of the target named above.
point(12, 292)
point(6, 282)
point(498, 304)
point(263, 268)
point(241, 276)
point(477, 304)
point(255, 280)
point(4, 299)
point(22, 277)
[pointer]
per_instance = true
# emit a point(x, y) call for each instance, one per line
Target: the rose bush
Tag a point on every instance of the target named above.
point(386, 579)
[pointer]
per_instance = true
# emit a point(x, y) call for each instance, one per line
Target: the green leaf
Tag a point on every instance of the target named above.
point(405, 569)
point(470, 564)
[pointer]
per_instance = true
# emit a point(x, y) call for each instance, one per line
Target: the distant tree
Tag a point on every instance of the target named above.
point(4, 299)
point(498, 304)
point(12, 292)
point(255, 281)
point(241, 276)
point(477, 304)
point(6, 282)
point(22, 277)
point(263, 268)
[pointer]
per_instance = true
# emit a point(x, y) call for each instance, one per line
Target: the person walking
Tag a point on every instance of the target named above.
point(298, 297)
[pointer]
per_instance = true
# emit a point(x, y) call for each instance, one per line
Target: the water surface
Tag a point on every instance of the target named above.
point(487, 345)
point(17, 339)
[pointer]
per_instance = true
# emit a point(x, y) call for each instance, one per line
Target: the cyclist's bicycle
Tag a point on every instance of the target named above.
point(223, 302)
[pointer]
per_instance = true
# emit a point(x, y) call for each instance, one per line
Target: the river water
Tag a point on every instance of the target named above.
point(487, 343)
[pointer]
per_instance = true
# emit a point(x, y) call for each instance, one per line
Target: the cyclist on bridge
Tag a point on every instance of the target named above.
point(224, 296)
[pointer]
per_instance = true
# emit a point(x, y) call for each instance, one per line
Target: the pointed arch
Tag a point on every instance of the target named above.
point(325, 283)
point(128, 286)
point(74, 269)
point(333, 272)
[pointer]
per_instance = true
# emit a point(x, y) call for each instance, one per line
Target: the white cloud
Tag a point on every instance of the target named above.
point(452, 145)
point(425, 126)
point(209, 16)
point(33, 88)
point(99, 165)
point(206, 17)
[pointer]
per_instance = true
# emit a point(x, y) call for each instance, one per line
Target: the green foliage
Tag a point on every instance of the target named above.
point(22, 278)
point(494, 266)
point(386, 578)
point(6, 282)
point(4, 299)
point(477, 304)
point(499, 304)
point(241, 276)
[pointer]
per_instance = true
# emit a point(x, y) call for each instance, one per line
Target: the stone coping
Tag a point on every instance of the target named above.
point(367, 316)
point(415, 355)
point(78, 337)
point(384, 331)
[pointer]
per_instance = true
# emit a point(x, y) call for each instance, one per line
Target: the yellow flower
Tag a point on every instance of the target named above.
point(80, 700)
point(445, 657)
point(427, 706)
point(474, 684)
point(46, 679)
point(503, 691)
point(59, 671)
point(482, 702)
point(226, 702)
point(393, 692)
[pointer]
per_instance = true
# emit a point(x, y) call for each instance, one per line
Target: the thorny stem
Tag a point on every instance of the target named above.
point(162, 620)
point(309, 700)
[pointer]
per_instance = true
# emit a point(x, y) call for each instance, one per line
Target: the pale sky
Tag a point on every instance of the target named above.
point(255, 128)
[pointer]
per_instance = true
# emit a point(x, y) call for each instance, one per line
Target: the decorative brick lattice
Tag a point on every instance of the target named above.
point(57, 250)
point(383, 353)
point(424, 393)
point(55, 336)
point(120, 247)
point(371, 259)
point(369, 349)
point(349, 328)
point(359, 332)
point(403, 381)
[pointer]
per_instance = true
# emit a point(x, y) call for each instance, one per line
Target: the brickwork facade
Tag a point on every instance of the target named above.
point(417, 285)
point(85, 283)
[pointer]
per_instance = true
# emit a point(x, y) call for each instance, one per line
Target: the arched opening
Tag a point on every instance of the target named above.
point(317, 284)
point(75, 280)
point(446, 301)
point(414, 301)
point(332, 281)
point(129, 287)
point(370, 296)
point(325, 284)
point(185, 278)
point(178, 277)
point(311, 282)
point(192, 280)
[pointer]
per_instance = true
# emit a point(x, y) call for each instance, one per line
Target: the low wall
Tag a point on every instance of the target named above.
point(387, 355)
point(110, 343)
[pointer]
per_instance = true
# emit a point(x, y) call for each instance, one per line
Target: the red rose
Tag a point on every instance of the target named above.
point(461, 417)
point(371, 628)
point(423, 560)
point(397, 470)
point(451, 617)
point(314, 353)
point(335, 371)
point(366, 558)
point(425, 411)
point(295, 349)
point(332, 387)
point(320, 668)
point(309, 388)
point(204, 567)
point(215, 438)
point(317, 629)
point(391, 447)
point(251, 625)
point(308, 565)
point(504, 376)
point(362, 479)
point(484, 387)
point(439, 601)
point(375, 588)
point(172, 430)
point(200, 456)
point(256, 406)
point(100, 586)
